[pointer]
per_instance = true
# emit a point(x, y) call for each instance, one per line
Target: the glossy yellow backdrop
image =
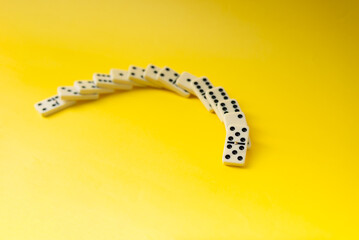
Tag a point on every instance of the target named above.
point(146, 164)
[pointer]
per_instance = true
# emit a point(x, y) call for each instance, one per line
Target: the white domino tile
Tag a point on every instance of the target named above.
point(199, 87)
point(52, 105)
point(235, 147)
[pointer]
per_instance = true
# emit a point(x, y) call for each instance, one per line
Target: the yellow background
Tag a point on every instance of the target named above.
point(146, 164)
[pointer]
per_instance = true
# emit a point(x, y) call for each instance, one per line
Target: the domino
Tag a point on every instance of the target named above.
point(235, 147)
point(151, 73)
point(227, 106)
point(184, 81)
point(71, 93)
point(215, 95)
point(52, 105)
point(89, 87)
point(135, 74)
point(236, 118)
point(167, 77)
point(199, 87)
point(105, 81)
point(120, 76)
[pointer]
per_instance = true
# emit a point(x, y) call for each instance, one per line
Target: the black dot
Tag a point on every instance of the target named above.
point(195, 83)
point(63, 88)
point(240, 116)
point(204, 79)
point(240, 158)
point(57, 97)
point(213, 97)
point(230, 138)
point(233, 102)
point(229, 146)
point(155, 72)
point(227, 156)
point(237, 134)
point(224, 109)
point(98, 74)
point(54, 105)
point(220, 90)
point(225, 112)
point(241, 147)
point(167, 69)
point(79, 82)
point(244, 129)
point(234, 152)
point(215, 101)
point(69, 90)
point(176, 74)
point(133, 67)
point(93, 86)
point(210, 93)
point(223, 93)
point(207, 83)
point(152, 66)
point(76, 93)
point(222, 104)
point(210, 87)
point(141, 76)
point(170, 80)
point(236, 110)
point(39, 104)
point(43, 109)
point(225, 98)
point(198, 86)
point(243, 139)
point(143, 70)
point(83, 87)
point(188, 80)
point(234, 106)
point(133, 74)
point(121, 74)
point(162, 74)
point(232, 128)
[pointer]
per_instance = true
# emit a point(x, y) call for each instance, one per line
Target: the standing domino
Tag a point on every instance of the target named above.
point(184, 81)
point(104, 81)
point(89, 87)
point(71, 93)
point(135, 74)
point(199, 87)
point(151, 73)
point(235, 147)
point(167, 77)
point(52, 105)
point(120, 76)
point(214, 96)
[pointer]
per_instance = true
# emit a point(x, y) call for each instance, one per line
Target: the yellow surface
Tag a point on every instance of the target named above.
point(146, 164)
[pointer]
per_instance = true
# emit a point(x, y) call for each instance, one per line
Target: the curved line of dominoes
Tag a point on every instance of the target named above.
point(214, 99)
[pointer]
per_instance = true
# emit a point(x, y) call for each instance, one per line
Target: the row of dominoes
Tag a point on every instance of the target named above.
point(214, 99)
